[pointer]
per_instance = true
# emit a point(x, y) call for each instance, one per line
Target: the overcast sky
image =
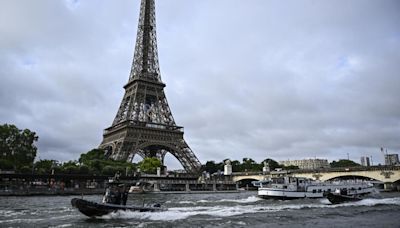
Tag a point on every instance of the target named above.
point(246, 78)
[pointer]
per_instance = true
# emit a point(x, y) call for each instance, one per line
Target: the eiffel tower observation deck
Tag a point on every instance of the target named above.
point(144, 124)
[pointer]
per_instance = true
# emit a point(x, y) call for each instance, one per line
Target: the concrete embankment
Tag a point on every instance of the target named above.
point(51, 192)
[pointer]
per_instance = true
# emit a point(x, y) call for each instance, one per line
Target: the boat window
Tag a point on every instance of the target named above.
point(314, 191)
point(359, 188)
point(284, 187)
point(319, 190)
point(329, 190)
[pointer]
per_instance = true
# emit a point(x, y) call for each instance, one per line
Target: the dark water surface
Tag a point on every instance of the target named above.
point(206, 210)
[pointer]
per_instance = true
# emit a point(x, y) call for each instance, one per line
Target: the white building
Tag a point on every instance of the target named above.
point(365, 161)
point(307, 163)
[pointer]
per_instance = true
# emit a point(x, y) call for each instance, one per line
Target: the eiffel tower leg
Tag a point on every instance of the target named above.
point(118, 152)
point(186, 157)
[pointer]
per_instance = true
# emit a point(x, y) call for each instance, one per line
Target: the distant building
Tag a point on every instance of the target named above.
point(392, 159)
point(365, 161)
point(227, 168)
point(307, 163)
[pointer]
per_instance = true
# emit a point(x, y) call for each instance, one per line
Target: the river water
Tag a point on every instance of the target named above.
point(206, 210)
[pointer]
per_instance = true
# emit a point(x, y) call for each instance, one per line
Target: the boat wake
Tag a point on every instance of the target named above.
point(179, 213)
point(31, 212)
point(250, 199)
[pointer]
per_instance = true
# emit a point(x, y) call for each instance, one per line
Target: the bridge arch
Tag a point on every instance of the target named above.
point(352, 176)
point(247, 183)
point(397, 181)
point(248, 177)
point(385, 176)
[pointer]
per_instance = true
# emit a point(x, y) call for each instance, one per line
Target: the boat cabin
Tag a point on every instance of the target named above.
point(116, 193)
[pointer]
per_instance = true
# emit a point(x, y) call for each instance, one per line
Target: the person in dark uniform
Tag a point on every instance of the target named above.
point(118, 196)
point(124, 196)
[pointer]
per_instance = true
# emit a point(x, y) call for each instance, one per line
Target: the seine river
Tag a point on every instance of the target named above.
point(206, 210)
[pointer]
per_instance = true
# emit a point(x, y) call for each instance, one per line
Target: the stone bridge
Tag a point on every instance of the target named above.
point(389, 176)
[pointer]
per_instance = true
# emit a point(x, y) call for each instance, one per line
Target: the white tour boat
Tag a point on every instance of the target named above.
point(298, 187)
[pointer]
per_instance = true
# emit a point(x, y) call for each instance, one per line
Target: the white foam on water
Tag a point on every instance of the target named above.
point(241, 223)
point(61, 217)
point(178, 213)
point(373, 202)
point(62, 226)
point(21, 220)
point(186, 202)
point(11, 213)
point(249, 199)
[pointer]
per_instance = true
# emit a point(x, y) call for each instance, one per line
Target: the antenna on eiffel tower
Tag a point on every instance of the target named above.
point(144, 124)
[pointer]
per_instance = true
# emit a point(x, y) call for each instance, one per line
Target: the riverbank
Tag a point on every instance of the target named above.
point(51, 192)
point(193, 192)
point(99, 192)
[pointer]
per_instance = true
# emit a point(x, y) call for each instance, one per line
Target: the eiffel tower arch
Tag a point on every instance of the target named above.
point(144, 124)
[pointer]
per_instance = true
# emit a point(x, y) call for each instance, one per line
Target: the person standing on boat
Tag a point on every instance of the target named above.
point(106, 197)
point(124, 195)
point(118, 196)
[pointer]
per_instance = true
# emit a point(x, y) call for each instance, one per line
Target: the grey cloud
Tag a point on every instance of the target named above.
point(267, 79)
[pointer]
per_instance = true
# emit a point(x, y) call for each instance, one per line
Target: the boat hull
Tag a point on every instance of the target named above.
point(92, 209)
point(286, 195)
point(338, 198)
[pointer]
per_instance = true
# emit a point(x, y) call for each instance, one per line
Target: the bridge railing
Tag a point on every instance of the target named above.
point(321, 170)
point(348, 169)
point(247, 173)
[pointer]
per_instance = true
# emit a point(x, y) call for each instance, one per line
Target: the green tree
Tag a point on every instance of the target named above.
point(272, 164)
point(291, 167)
point(249, 164)
point(6, 164)
point(109, 170)
point(70, 167)
point(94, 162)
point(25, 169)
point(93, 155)
point(212, 167)
point(16, 147)
point(236, 166)
point(45, 166)
point(149, 165)
point(343, 163)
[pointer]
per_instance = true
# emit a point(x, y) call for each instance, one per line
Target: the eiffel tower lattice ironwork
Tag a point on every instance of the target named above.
point(144, 124)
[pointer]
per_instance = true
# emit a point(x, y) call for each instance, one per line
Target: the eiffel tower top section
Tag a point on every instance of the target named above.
point(145, 62)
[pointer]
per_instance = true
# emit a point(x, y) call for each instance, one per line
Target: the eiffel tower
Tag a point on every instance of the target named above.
point(144, 124)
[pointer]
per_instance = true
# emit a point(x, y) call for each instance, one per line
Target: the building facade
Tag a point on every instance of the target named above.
point(392, 159)
point(365, 161)
point(307, 163)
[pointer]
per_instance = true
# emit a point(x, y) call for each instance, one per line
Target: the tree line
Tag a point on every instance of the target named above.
point(249, 165)
point(18, 153)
